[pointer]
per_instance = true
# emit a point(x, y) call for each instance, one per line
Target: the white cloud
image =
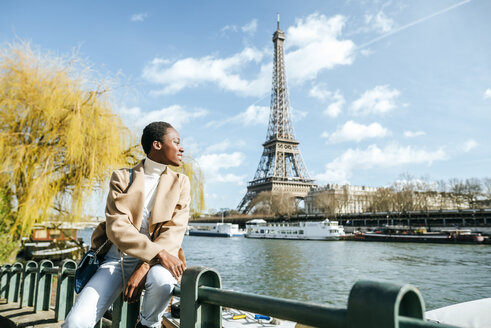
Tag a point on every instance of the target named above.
point(138, 17)
point(352, 131)
point(412, 134)
point(221, 146)
point(380, 22)
point(191, 147)
point(380, 100)
point(487, 94)
point(250, 27)
point(253, 115)
point(317, 47)
point(366, 52)
point(230, 177)
point(227, 28)
point(212, 164)
point(319, 92)
point(297, 115)
point(337, 100)
point(469, 145)
point(175, 115)
point(192, 72)
point(341, 168)
point(215, 162)
point(335, 108)
point(313, 44)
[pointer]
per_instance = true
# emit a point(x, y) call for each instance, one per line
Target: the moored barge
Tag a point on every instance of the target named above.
point(408, 234)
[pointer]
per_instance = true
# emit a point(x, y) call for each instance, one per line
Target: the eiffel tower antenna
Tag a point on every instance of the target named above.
point(281, 167)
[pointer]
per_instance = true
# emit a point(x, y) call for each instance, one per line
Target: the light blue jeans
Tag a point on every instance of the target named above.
point(106, 285)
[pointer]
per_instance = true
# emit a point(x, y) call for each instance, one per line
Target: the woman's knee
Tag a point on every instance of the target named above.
point(159, 276)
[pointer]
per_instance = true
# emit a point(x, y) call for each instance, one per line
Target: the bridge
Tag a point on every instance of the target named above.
point(477, 219)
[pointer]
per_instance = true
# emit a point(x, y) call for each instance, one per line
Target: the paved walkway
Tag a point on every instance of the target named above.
point(12, 316)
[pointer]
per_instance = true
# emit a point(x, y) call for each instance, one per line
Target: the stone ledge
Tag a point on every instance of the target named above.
point(13, 316)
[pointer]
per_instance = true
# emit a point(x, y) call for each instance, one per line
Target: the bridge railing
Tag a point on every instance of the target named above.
point(370, 304)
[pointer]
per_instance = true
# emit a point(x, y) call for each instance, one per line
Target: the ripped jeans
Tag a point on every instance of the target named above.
point(106, 285)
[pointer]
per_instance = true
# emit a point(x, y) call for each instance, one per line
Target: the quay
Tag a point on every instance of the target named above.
point(27, 302)
point(473, 219)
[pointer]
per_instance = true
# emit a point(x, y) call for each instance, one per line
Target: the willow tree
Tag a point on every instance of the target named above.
point(59, 139)
point(191, 168)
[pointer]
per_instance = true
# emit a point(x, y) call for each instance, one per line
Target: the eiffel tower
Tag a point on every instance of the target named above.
point(281, 167)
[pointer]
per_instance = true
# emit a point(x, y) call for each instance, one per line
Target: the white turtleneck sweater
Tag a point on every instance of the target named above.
point(152, 171)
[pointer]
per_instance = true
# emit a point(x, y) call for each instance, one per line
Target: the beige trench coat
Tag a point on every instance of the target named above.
point(124, 214)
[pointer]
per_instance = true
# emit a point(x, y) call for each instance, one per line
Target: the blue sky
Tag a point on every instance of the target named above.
point(377, 88)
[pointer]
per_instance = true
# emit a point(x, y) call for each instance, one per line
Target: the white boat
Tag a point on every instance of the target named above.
point(467, 314)
point(308, 230)
point(215, 230)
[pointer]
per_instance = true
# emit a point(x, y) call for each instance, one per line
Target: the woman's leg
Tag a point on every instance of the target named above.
point(101, 291)
point(158, 291)
point(96, 297)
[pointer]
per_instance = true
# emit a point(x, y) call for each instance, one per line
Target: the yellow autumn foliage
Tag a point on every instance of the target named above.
point(58, 138)
point(191, 168)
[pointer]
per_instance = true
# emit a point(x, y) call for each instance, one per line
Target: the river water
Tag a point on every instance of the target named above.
point(324, 271)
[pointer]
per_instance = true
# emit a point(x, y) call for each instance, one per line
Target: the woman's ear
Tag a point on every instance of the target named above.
point(157, 145)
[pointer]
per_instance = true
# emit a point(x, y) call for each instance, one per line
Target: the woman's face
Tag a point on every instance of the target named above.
point(170, 150)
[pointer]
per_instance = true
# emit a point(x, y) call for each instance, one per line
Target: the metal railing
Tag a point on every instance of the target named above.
point(31, 286)
point(370, 304)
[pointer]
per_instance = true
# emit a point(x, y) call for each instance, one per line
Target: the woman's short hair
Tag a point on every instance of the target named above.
point(153, 131)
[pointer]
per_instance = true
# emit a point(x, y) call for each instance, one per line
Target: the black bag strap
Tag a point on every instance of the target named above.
point(131, 178)
point(101, 247)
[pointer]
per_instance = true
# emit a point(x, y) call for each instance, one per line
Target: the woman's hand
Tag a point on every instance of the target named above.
point(175, 266)
point(136, 283)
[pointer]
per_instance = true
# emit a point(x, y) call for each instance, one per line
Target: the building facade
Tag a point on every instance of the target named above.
point(334, 198)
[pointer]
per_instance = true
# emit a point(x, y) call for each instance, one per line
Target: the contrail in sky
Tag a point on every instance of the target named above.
point(397, 30)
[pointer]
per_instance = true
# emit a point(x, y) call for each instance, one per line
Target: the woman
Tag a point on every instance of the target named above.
point(147, 212)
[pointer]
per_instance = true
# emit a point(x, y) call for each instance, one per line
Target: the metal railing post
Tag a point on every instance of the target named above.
point(43, 291)
point(124, 315)
point(4, 280)
point(195, 314)
point(65, 290)
point(28, 289)
point(380, 304)
point(15, 276)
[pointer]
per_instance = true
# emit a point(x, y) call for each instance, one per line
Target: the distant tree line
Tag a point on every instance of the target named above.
point(404, 195)
point(411, 194)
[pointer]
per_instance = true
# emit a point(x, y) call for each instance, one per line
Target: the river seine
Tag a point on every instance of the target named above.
point(324, 271)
